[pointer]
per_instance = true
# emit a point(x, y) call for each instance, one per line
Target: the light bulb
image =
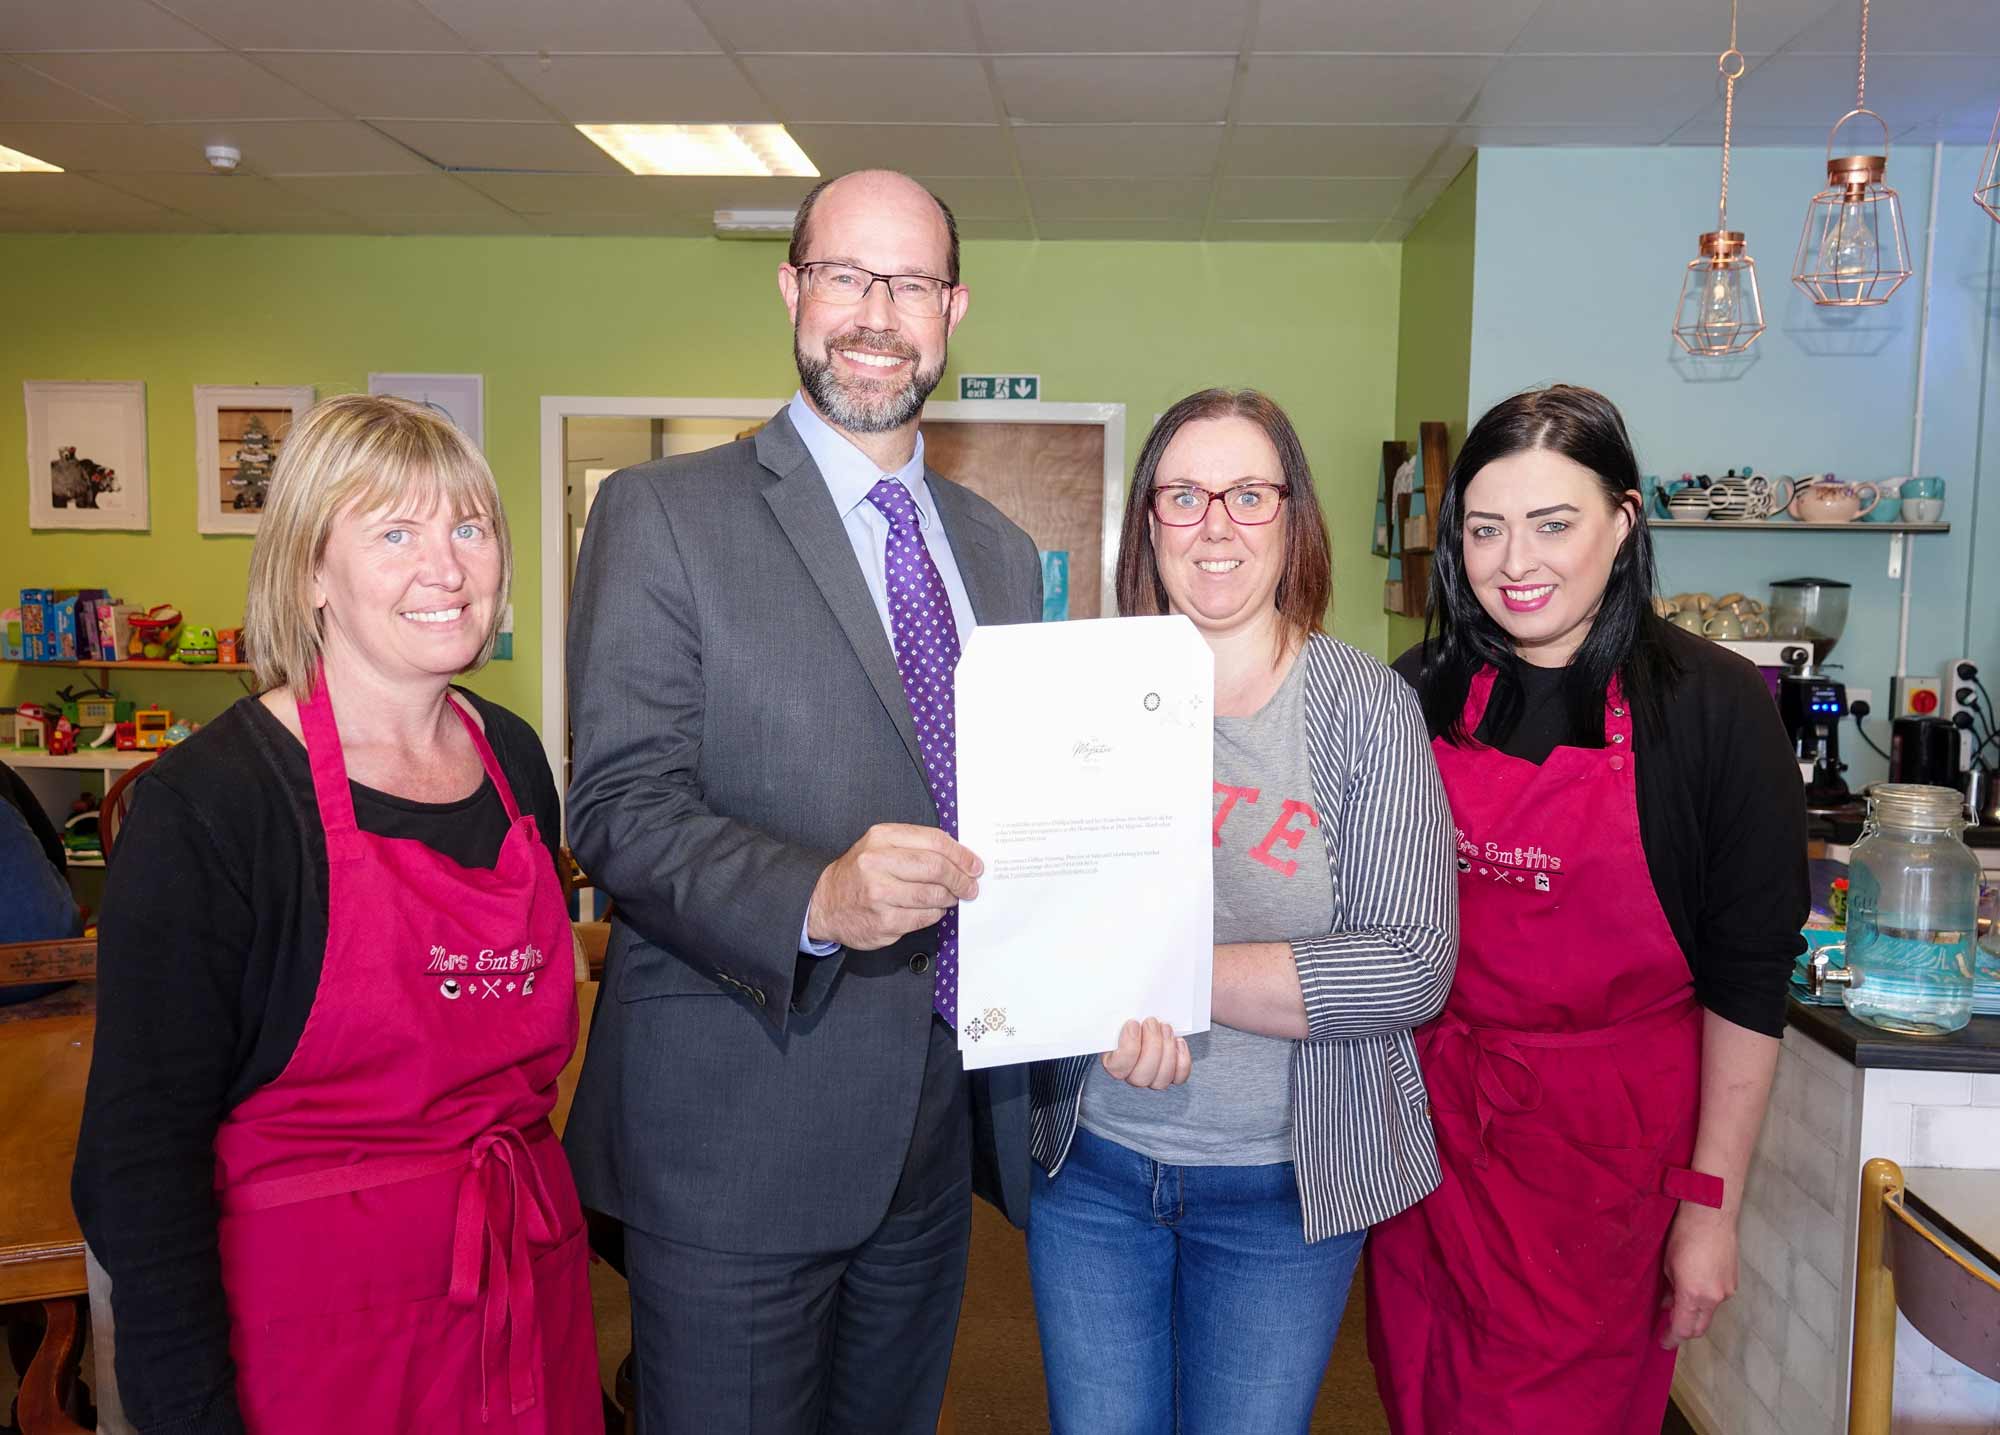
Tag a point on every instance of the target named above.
point(1718, 309)
point(1848, 252)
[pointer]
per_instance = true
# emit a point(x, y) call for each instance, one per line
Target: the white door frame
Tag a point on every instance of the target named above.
point(555, 522)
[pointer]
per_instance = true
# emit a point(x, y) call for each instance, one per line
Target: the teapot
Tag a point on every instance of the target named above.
point(1828, 500)
point(1685, 498)
point(1748, 496)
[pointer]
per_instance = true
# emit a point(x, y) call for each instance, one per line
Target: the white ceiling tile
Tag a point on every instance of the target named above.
point(183, 86)
point(996, 229)
point(1705, 132)
point(67, 201)
point(1532, 136)
point(1142, 150)
point(1336, 231)
point(28, 96)
point(502, 144)
point(874, 89)
point(1421, 197)
point(613, 27)
point(1177, 231)
point(348, 25)
point(1045, 26)
point(1366, 89)
point(1332, 149)
point(1059, 199)
point(364, 194)
point(1263, 198)
point(1405, 26)
point(914, 149)
point(412, 87)
point(1579, 27)
point(973, 198)
point(95, 147)
point(234, 201)
point(1946, 27)
point(1071, 89)
point(94, 25)
point(1904, 89)
point(544, 194)
point(305, 146)
point(853, 27)
point(1659, 91)
point(641, 89)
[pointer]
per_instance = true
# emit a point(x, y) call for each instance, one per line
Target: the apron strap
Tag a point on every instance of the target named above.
point(486, 758)
point(329, 770)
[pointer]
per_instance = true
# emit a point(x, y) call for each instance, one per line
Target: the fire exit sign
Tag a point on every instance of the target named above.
point(999, 386)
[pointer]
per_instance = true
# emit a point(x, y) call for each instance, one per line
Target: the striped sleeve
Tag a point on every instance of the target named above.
point(1388, 964)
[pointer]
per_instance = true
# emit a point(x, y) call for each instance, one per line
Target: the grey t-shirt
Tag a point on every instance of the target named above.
point(1271, 885)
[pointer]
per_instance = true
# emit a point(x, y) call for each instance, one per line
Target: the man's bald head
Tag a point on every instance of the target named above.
point(872, 187)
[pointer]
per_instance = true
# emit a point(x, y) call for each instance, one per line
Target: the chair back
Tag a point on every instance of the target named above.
point(30, 964)
point(1901, 1264)
point(117, 802)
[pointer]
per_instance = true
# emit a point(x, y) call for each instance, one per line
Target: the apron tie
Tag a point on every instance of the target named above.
point(1491, 1093)
point(490, 1259)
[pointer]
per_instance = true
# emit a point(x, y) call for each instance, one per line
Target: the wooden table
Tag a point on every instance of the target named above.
point(43, 1063)
point(1962, 1204)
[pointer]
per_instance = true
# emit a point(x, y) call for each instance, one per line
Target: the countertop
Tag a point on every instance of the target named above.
point(1976, 1048)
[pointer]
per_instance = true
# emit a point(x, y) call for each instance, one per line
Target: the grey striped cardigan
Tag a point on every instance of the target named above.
point(1361, 1134)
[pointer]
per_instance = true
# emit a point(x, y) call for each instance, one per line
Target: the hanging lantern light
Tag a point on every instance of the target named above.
point(1853, 251)
point(1721, 311)
point(1987, 195)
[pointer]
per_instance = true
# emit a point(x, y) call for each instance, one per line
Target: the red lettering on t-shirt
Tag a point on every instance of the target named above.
point(1229, 795)
point(1282, 831)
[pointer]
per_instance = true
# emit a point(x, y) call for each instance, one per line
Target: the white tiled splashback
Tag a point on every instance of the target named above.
point(1775, 1360)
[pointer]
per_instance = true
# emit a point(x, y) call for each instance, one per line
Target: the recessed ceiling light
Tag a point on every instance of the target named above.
point(762, 150)
point(12, 161)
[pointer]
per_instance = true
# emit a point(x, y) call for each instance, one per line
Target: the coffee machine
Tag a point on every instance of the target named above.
point(1808, 616)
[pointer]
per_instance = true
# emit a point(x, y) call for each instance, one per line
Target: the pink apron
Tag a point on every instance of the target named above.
point(401, 1242)
point(1564, 1079)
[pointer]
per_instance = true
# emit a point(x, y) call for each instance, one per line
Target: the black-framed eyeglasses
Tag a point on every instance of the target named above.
point(920, 295)
point(1183, 505)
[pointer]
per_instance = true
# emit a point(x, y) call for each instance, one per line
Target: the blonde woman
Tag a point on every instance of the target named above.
point(335, 994)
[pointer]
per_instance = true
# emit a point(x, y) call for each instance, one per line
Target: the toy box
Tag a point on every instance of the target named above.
point(48, 626)
point(229, 645)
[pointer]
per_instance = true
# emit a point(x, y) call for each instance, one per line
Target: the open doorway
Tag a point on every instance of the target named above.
point(1056, 469)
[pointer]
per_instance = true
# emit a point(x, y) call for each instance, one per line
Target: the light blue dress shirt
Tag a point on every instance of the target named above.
point(850, 474)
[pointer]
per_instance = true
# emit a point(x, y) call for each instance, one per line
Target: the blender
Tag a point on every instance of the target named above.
point(1808, 616)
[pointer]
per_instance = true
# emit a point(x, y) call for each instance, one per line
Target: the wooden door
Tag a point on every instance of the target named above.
point(1049, 478)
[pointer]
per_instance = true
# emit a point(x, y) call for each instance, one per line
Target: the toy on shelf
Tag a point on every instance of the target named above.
point(181, 731)
point(62, 738)
point(149, 728)
point(80, 837)
point(229, 645)
point(197, 645)
point(93, 706)
point(31, 727)
point(153, 632)
point(125, 737)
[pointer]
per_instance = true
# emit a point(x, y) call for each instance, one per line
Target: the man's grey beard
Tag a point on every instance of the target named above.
point(858, 413)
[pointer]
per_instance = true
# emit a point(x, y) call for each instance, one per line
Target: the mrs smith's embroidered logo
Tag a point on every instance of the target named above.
point(487, 975)
point(1529, 866)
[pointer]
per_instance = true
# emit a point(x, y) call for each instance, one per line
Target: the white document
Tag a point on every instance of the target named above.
point(1086, 785)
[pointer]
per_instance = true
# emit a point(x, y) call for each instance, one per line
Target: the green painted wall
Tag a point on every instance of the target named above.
point(1434, 347)
point(1138, 324)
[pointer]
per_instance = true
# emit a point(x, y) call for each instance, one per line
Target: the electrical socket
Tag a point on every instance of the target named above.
point(1952, 683)
point(1861, 695)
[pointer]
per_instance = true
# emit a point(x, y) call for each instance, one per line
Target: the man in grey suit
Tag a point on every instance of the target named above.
point(761, 643)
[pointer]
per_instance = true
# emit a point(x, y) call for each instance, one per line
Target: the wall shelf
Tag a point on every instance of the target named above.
point(87, 759)
point(142, 665)
point(1765, 525)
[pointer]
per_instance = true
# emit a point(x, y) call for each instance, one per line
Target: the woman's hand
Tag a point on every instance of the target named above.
point(1701, 1272)
point(1149, 1055)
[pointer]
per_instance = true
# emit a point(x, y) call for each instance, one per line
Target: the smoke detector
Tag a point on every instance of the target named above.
point(223, 158)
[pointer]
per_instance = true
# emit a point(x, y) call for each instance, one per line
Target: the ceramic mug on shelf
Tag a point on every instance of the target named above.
point(1923, 510)
point(1722, 624)
point(1890, 509)
point(1686, 619)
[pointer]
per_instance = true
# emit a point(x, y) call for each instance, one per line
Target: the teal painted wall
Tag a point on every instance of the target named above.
point(1138, 324)
point(1578, 265)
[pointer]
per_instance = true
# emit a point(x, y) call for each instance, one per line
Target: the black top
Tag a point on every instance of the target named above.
point(209, 954)
point(1722, 819)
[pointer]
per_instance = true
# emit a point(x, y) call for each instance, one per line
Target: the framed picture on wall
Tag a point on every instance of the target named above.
point(459, 397)
point(238, 435)
point(87, 455)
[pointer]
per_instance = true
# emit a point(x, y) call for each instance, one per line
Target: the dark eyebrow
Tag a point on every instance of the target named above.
point(1554, 508)
point(1494, 516)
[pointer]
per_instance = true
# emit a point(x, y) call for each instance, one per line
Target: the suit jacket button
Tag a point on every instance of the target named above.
point(920, 963)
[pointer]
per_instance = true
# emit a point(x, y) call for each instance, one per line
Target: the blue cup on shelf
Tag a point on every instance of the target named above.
point(1923, 499)
point(1889, 508)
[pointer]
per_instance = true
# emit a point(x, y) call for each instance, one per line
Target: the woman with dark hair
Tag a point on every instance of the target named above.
point(1202, 1200)
point(1632, 879)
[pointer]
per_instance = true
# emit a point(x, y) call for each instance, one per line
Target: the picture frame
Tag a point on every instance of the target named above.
point(239, 431)
point(87, 455)
point(459, 397)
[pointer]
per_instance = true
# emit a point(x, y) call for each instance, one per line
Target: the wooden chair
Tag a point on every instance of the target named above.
point(50, 1398)
point(117, 802)
point(1900, 1264)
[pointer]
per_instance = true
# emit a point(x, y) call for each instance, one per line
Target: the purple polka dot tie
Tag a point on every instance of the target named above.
point(926, 656)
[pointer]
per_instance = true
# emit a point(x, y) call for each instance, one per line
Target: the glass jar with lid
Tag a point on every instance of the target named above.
point(1912, 914)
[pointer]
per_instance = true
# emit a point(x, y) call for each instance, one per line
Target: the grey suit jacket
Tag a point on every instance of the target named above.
point(738, 723)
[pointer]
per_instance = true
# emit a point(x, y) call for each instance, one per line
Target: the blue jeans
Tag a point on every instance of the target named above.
point(1180, 1298)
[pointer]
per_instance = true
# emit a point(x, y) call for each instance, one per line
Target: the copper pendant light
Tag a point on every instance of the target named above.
point(1987, 194)
point(1853, 250)
point(1720, 311)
